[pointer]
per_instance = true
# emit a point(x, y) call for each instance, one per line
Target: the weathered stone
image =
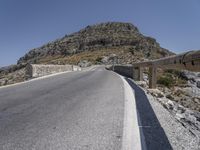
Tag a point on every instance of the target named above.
point(124, 70)
point(105, 60)
point(198, 84)
point(96, 37)
point(84, 63)
point(169, 105)
point(35, 70)
point(193, 76)
point(155, 92)
point(179, 116)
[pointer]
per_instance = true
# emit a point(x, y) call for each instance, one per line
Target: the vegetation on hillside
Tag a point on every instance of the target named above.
point(171, 78)
point(94, 44)
point(97, 37)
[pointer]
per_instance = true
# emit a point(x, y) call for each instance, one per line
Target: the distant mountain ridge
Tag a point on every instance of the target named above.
point(96, 37)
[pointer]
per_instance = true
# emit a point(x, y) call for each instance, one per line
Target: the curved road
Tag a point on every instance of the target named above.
point(71, 111)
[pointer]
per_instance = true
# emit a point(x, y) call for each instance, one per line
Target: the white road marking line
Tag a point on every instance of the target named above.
point(43, 77)
point(31, 80)
point(131, 133)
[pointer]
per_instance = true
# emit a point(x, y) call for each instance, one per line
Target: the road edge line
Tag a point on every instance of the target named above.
point(42, 77)
point(35, 79)
point(131, 132)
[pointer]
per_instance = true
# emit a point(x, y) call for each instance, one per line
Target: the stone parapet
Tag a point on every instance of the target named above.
point(39, 70)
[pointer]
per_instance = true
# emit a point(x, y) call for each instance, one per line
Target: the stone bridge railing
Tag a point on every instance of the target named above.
point(186, 61)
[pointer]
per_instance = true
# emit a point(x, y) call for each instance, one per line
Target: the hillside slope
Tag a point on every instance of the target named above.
point(109, 36)
point(96, 44)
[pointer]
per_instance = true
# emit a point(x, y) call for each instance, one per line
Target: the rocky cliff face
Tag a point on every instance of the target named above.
point(97, 37)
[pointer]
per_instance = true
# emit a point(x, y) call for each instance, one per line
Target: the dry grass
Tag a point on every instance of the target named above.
point(124, 54)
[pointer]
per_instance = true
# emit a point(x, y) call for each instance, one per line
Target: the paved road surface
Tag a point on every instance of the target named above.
point(71, 111)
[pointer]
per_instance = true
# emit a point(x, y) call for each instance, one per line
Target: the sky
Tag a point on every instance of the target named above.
point(28, 24)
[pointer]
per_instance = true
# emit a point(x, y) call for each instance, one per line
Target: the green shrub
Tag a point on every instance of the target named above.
point(174, 72)
point(166, 81)
point(175, 77)
point(98, 59)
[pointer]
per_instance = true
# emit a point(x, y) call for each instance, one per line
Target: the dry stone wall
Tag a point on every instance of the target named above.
point(124, 70)
point(37, 70)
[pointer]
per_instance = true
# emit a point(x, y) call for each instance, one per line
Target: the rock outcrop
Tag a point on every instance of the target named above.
point(96, 44)
point(96, 37)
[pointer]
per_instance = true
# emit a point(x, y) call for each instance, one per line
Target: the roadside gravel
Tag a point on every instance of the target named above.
point(177, 133)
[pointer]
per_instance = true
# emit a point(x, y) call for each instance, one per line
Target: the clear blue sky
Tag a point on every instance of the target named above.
point(27, 24)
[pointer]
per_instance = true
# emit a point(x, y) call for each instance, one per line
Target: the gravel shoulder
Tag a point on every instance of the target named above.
point(177, 133)
point(179, 136)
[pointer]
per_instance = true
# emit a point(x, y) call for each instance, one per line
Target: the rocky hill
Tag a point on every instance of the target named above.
point(96, 44)
point(104, 36)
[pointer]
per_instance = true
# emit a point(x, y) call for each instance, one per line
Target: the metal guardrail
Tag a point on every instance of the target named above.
point(186, 61)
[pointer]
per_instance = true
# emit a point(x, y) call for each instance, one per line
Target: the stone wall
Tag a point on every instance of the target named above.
point(76, 68)
point(124, 70)
point(37, 70)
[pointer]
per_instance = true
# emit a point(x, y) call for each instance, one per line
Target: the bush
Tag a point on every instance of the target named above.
point(175, 76)
point(98, 59)
point(175, 72)
point(166, 81)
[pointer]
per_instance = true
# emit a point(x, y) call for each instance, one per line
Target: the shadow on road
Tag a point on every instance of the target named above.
point(154, 134)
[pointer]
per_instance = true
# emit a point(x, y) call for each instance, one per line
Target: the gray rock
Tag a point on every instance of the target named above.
point(84, 63)
point(193, 76)
point(179, 116)
point(3, 81)
point(179, 128)
point(105, 60)
point(169, 105)
point(198, 84)
point(96, 37)
point(156, 93)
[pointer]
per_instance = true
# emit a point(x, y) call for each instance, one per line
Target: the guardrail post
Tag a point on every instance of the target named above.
point(134, 73)
point(152, 77)
point(138, 73)
point(186, 61)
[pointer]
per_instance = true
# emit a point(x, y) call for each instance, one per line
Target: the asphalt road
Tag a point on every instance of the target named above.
point(72, 111)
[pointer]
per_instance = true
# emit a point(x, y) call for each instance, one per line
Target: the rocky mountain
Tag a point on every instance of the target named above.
point(95, 44)
point(109, 36)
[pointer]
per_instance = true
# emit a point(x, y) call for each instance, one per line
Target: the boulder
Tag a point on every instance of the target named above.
point(193, 76)
point(198, 84)
point(84, 63)
point(156, 93)
point(105, 60)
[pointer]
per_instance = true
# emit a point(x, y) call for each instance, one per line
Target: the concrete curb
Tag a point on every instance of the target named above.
point(131, 133)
